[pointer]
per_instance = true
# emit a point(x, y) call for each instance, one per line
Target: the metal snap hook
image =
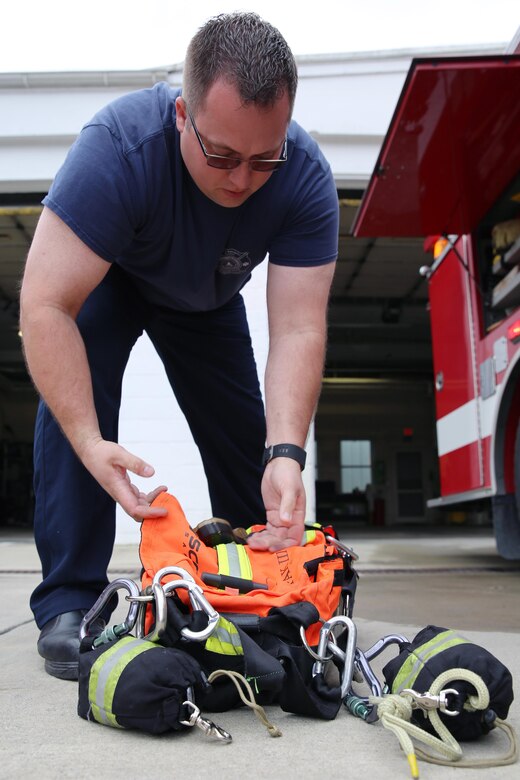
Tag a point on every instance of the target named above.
point(127, 625)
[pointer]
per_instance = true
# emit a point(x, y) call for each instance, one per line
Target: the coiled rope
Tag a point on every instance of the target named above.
point(395, 712)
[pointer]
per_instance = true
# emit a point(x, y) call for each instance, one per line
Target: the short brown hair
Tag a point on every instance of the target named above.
point(248, 52)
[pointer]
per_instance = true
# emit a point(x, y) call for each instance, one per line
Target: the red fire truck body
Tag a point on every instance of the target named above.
point(449, 170)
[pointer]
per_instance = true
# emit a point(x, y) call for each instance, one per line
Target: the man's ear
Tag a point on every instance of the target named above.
point(181, 115)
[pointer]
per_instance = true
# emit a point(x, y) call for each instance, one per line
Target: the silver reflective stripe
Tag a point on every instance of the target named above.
point(233, 637)
point(233, 560)
point(411, 669)
point(106, 668)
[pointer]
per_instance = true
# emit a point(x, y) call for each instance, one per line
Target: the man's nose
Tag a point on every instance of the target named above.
point(240, 177)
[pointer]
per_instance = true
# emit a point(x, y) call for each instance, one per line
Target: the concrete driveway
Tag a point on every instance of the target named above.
point(407, 581)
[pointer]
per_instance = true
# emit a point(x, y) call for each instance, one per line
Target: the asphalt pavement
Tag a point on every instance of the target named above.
point(407, 580)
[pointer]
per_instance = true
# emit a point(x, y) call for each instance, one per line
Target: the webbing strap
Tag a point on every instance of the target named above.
point(308, 537)
point(225, 639)
point(233, 560)
point(105, 673)
point(415, 662)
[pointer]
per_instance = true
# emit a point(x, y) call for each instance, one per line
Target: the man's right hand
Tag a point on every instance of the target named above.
point(110, 464)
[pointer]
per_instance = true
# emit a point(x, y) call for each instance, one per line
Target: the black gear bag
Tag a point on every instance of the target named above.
point(436, 650)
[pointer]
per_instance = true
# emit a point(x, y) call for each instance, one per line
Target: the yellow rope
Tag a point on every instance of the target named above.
point(240, 683)
point(395, 712)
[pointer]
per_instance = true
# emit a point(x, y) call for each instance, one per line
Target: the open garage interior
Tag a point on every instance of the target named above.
point(18, 400)
point(375, 425)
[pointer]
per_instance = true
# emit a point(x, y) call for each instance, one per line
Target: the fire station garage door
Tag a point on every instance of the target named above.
point(18, 399)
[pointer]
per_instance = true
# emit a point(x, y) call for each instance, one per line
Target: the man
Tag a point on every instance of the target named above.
point(162, 208)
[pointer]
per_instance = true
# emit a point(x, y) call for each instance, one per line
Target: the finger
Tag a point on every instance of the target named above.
point(274, 539)
point(287, 505)
point(260, 540)
point(274, 519)
point(144, 511)
point(134, 464)
point(135, 490)
point(150, 497)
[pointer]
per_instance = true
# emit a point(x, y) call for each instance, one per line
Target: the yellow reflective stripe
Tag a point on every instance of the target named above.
point(233, 560)
point(246, 572)
point(308, 536)
point(225, 639)
point(415, 663)
point(105, 673)
point(222, 558)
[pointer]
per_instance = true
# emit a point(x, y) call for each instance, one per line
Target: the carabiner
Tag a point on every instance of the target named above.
point(385, 641)
point(159, 627)
point(363, 666)
point(167, 570)
point(129, 622)
point(342, 548)
point(325, 644)
point(199, 602)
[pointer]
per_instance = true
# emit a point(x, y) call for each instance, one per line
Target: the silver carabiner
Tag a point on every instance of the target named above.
point(370, 678)
point(385, 641)
point(129, 622)
point(167, 570)
point(198, 601)
point(342, 548)
point(159, 627)
point(347, 658)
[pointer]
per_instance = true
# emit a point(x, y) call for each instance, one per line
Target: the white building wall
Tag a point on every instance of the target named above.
point(344, 101)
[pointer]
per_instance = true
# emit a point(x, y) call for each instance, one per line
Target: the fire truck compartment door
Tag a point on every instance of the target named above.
point(451, 149)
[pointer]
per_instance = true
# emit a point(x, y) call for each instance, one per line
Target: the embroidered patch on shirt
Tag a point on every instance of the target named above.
point(234, 262)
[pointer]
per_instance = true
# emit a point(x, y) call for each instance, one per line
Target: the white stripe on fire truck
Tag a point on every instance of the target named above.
point(460, 427)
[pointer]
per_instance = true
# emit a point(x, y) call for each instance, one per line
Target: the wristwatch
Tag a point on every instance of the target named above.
point(285, 451)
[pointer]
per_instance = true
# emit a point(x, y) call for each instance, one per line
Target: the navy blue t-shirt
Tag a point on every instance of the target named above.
point(125, 192)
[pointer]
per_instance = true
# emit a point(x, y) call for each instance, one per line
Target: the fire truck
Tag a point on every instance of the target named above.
point(449, 172)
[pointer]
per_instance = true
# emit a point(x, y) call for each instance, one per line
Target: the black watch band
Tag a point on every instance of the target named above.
point(285, 451)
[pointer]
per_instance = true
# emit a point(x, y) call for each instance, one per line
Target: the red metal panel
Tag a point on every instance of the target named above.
point(459, 470)
point(451, 149)
point(451, 340)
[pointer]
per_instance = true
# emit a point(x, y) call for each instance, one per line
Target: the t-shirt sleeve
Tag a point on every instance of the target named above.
point(309, 234)
point(96, 193)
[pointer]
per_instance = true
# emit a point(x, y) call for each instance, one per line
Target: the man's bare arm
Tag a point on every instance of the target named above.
point(297, 305)
point(60, 273)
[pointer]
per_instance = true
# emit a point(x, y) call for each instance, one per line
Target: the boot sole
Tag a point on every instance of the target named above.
point(63, 670)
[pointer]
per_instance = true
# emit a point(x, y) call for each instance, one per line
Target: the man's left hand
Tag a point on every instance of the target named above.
point(284, 499)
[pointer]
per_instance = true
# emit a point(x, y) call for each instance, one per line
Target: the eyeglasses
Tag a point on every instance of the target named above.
point(229, 163)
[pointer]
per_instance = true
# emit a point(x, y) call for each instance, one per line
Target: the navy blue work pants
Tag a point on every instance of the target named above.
point(210, 365)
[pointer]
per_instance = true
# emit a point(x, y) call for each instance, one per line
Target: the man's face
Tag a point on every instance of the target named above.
point(230, 129)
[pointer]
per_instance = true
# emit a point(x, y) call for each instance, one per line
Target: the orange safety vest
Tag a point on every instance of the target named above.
point(312, 572)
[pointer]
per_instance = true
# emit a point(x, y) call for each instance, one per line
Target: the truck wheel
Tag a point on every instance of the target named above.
point(506, 514)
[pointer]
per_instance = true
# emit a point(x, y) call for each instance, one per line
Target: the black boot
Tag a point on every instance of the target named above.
point(59, 643)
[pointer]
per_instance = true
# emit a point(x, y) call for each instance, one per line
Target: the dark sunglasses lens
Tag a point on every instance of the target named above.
point(224, 163)
point(265, 165)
